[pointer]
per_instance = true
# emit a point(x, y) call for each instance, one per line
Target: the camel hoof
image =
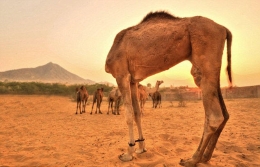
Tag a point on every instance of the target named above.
point(187, 163)
point(125, 157)
point(91, 113)
point(107, 113)
point(140, 151)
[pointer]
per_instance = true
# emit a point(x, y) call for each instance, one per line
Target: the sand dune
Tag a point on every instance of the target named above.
point(44, 131)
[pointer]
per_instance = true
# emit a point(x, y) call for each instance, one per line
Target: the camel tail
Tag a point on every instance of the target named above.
point(229, 42)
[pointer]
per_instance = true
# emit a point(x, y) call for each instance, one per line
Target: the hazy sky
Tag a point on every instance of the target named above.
point(77, 34)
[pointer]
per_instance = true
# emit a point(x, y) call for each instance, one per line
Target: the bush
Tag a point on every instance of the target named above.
point(38, 88)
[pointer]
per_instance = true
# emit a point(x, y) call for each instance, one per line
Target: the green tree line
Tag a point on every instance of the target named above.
point(38, 88)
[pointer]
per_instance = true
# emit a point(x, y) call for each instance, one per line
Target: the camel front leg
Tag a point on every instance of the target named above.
point(84, 107)
point(77, 108)
point(99, 105)
point(124, 86)
point(137, 116)
point(92, 107)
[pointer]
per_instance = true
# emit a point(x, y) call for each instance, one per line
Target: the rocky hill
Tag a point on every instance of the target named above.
point(48, 73)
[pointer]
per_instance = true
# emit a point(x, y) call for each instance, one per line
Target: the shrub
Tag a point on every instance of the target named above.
point(38, 88)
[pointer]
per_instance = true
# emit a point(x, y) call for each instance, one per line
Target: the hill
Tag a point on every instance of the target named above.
point(48, 73)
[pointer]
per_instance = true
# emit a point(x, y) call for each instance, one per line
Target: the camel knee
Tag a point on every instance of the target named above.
point(215, 122)
point(129, 120)
point(129, 113)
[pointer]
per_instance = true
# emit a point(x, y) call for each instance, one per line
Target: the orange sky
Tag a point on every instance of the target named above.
point(78, 34)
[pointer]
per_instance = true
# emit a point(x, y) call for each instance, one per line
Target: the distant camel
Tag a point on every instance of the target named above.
point(82, 98)
point(157, 98)
point(159, 42)
point(97, 98)
point(114, 97)
point(181, 100)
point(142, 96)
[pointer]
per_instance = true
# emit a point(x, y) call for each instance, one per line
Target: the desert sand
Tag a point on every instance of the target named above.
point(44, 131)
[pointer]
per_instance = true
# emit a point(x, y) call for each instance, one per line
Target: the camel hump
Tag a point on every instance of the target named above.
point(158, 14)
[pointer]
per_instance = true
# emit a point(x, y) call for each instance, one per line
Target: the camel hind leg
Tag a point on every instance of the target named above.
point(160, 101)
point(215, 119)
point(78, 107)
point(116, 108)
point(112, 107)
point(213, 141)
point(109, 104)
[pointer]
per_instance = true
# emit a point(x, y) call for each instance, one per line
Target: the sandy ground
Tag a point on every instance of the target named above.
point(44, 131)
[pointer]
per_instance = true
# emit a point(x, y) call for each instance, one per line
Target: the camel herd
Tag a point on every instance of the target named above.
point(115, 98)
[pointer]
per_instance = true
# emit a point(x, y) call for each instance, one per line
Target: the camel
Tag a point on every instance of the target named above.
point(157, 99)
point(114, 96)
point(82, 98)
point(181, 100)
point(154, 94)
point(142, 96)
point(97, 98)
point(159, 42)
point(144, 92)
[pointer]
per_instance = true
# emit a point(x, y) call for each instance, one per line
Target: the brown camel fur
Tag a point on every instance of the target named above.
point(156, 44)
point(114, 97)
point(97, 98)
point(82, 98)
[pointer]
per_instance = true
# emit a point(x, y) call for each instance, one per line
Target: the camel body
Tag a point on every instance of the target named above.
point(155, 94)
point(157, 99)
point(82, 98)
point(144, 92)
point(114, 97)
point(97, 98)
point(158, 43)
